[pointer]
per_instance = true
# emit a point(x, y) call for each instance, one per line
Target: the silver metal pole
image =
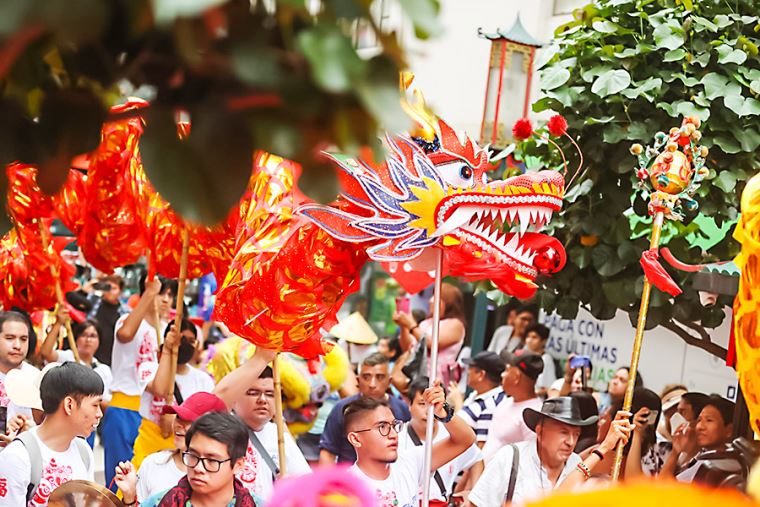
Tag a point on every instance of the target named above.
point(433, 374)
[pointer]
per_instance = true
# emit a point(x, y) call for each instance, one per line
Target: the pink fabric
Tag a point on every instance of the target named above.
point(447, 356)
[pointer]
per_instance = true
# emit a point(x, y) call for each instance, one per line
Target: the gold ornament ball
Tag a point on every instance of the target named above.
point(676, 168)
point(636, 149)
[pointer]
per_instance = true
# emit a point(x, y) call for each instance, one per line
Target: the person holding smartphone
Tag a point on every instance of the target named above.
point(644, 457)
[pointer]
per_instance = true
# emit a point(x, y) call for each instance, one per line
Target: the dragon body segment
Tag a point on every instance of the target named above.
point(297, 261)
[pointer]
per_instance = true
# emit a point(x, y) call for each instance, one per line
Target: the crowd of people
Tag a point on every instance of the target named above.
point(511, 423)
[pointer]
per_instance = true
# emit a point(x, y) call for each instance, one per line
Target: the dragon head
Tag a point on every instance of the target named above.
point(438, 195)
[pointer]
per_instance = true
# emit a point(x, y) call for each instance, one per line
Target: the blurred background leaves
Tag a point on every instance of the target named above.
point(284, 76)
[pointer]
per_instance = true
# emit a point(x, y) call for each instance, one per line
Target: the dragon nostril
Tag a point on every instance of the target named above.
point(547, 260)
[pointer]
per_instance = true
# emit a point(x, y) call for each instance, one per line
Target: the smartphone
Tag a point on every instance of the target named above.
point(580, 362)
point(3, 419)
point(652, 417)
point(403, 304)
point(102, 286)
point(453, 370)
point(676, 421)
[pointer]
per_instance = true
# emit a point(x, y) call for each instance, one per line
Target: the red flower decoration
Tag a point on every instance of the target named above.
point(522, 129)
point(557, 125)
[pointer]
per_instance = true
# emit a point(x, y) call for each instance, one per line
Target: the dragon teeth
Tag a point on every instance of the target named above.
point(524, 219)
point(513, 243)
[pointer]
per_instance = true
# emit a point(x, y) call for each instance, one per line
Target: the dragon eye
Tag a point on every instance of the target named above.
point(457, 174)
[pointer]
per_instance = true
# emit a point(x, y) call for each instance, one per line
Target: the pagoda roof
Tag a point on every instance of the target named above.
point(517, 34)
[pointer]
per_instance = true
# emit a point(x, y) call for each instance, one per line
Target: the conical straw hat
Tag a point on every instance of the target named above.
point(354, 329)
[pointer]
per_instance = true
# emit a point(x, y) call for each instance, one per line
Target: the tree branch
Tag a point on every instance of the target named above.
point(703, 342)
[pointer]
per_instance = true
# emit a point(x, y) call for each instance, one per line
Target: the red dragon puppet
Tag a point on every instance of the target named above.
point(431, 192)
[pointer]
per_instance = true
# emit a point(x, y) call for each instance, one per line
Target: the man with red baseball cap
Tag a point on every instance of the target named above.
point(165, 467)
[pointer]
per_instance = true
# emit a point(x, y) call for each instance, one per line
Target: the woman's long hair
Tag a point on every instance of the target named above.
point(453, 302)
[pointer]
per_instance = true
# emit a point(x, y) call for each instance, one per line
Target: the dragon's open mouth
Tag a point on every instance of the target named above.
point(485, 219)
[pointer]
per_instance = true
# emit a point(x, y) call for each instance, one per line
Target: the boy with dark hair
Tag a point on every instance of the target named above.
point(216, 445)
point(41, 459)
point(536, 337)
point(397, 477)
point(413, 435)
point(374, 380)
point(484, 371)
point(134, 360)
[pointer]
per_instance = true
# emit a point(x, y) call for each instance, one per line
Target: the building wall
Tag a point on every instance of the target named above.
point(452, 68)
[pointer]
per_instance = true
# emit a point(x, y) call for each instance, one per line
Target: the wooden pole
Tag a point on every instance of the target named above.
point(179, 307)
point(654, 242)
point(278, 414)
point(430, 425)
point(58, 292)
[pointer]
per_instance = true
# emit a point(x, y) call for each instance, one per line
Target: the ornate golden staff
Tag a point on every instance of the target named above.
point(670, 171)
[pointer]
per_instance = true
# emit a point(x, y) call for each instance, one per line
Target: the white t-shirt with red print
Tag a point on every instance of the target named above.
point(14, 409)
point(256, 475)
point(134, 364)
point(57, 468)
point(191, 382)
point(402, 487)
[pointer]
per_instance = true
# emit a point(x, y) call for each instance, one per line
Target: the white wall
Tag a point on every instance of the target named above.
point(665, 357)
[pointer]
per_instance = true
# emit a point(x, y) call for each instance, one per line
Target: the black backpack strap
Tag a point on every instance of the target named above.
point(178, 398)
point(513, 473)
point(436, 476)
point(263, 453)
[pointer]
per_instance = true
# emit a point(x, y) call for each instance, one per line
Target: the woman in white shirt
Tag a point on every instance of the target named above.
point(87, 338)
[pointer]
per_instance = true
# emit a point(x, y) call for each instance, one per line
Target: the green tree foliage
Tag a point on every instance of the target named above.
point(619, 72)
point(281, 79)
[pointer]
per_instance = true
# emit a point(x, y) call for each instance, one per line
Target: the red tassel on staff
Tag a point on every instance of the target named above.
point(656, 274)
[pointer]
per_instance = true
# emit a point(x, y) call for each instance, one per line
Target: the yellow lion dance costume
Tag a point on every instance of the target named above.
point(305, 384)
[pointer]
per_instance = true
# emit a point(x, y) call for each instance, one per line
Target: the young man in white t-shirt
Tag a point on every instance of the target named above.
point(256, 408)
point(14, 346)
point(155, 433)
point(413, 435)
point(396, 477)
point(166, 467)
point(70, 395)
point(135, 352)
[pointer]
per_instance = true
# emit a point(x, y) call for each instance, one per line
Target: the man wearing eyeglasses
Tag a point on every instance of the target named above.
point(261, 465)
point(397, 477)
point(216, 444)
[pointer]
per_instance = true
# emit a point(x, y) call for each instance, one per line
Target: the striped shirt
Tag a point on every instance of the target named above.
point(477, 411)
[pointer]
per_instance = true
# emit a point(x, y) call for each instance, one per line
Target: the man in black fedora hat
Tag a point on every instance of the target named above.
point(529, 470)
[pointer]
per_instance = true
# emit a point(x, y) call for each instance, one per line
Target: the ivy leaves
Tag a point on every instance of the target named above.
point(611, 82)
point(619, 72)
